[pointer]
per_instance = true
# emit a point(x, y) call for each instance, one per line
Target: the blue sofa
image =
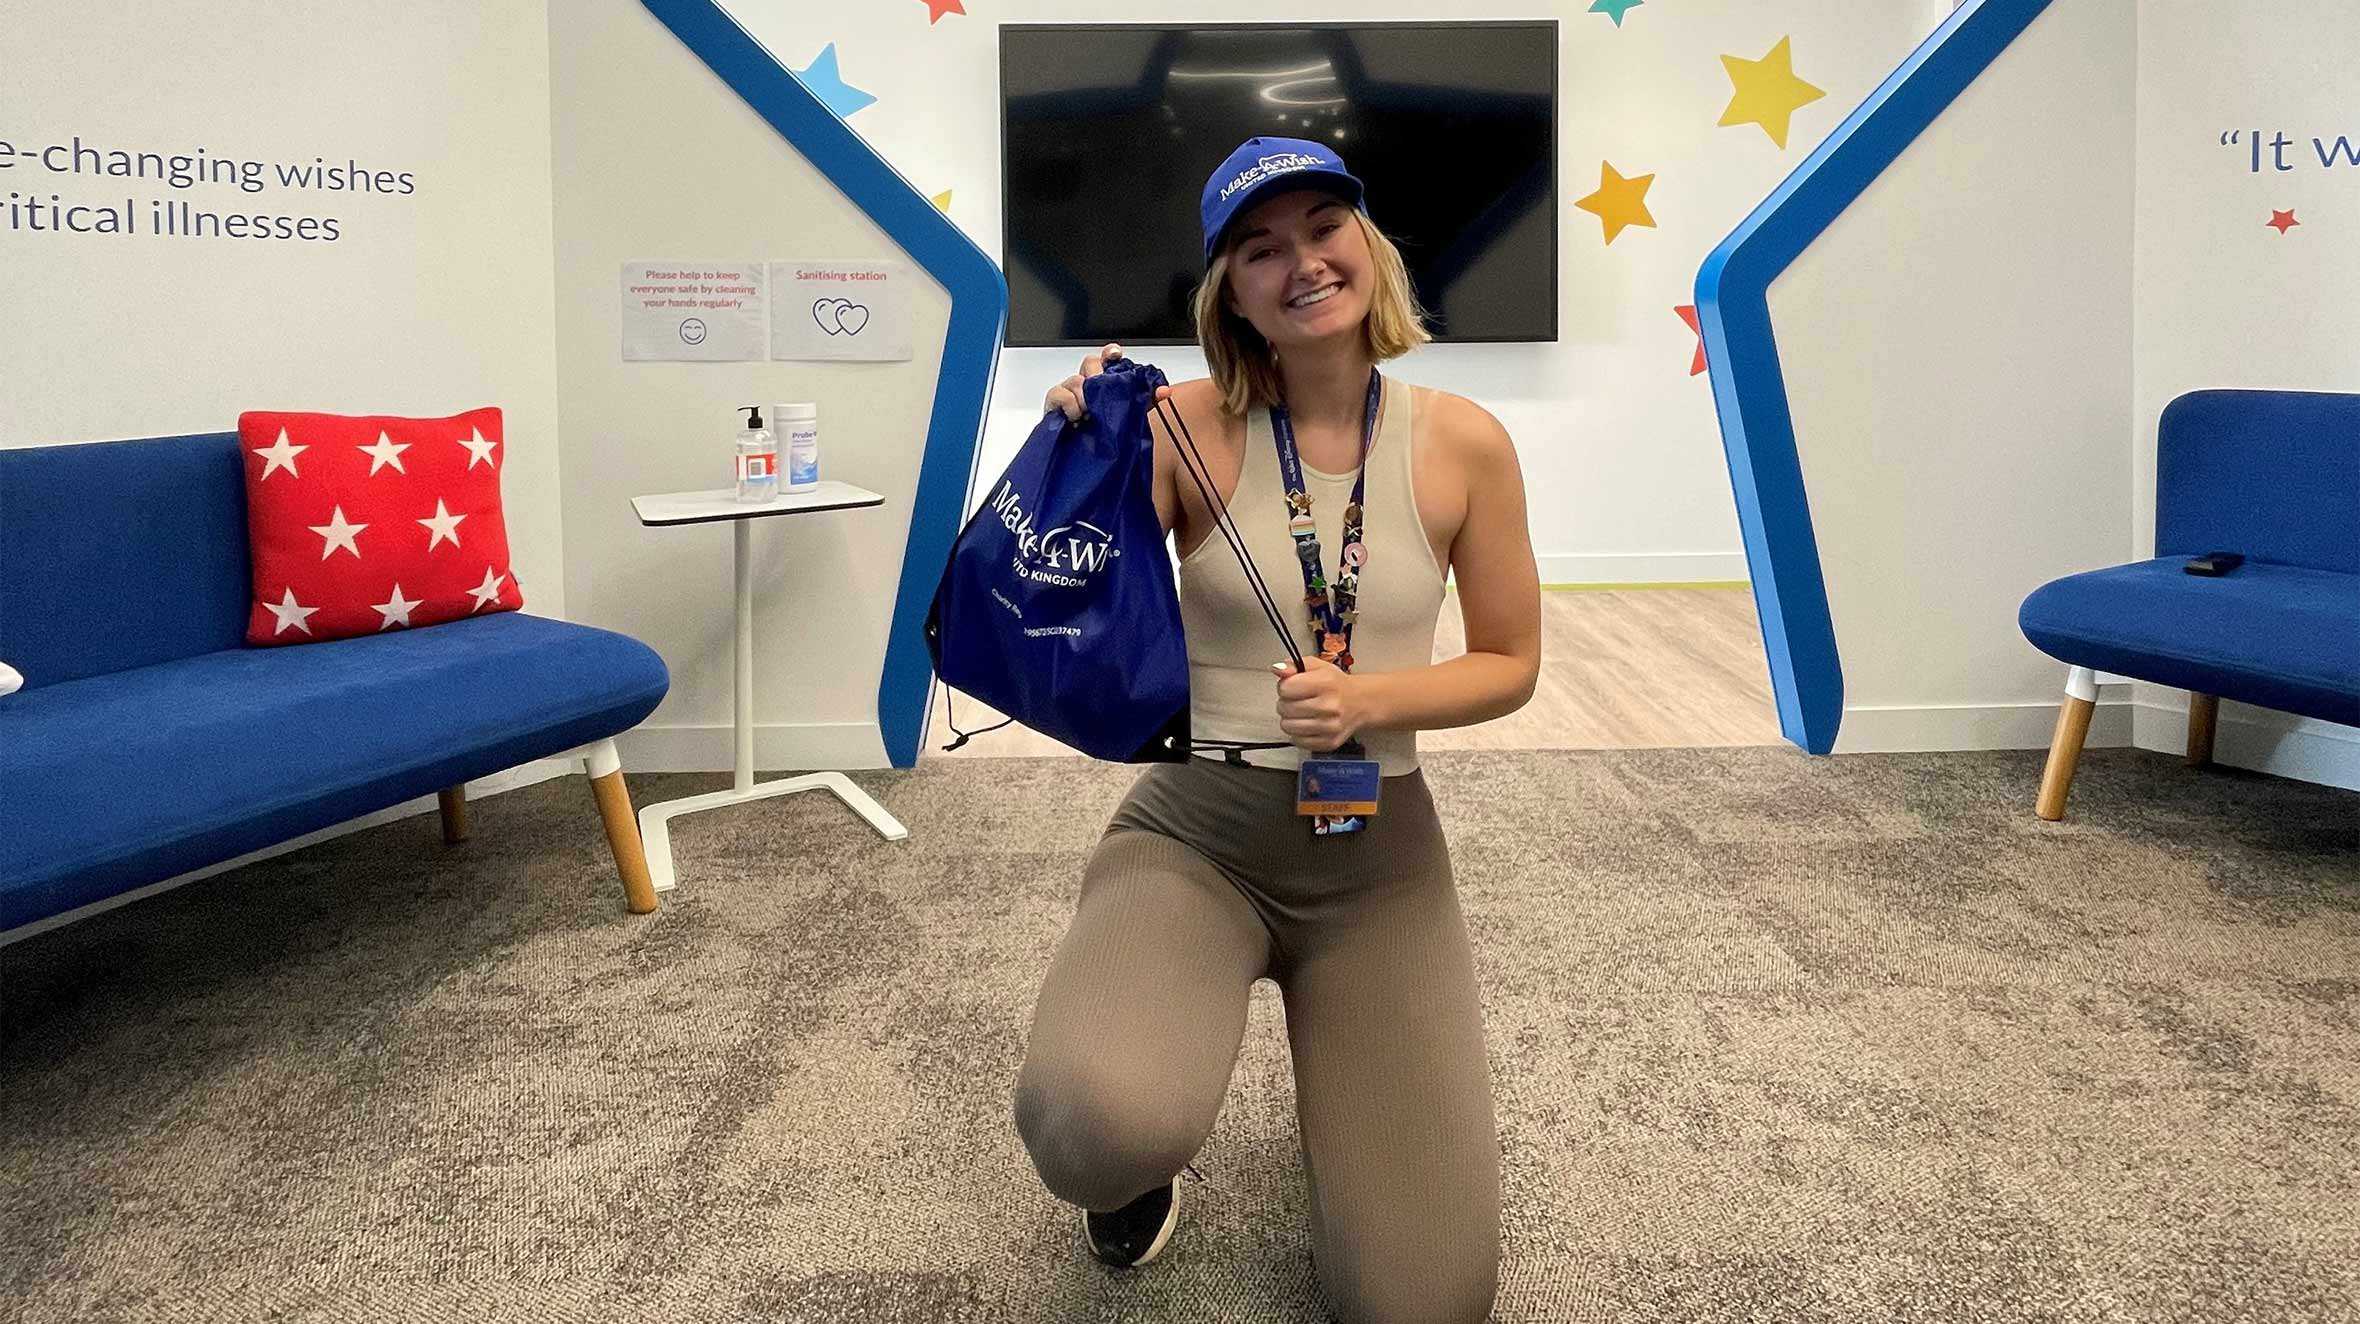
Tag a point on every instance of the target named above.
point(148, 740)
point(2274, 475)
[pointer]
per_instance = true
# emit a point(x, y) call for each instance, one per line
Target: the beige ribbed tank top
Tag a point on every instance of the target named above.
point(1232, 693)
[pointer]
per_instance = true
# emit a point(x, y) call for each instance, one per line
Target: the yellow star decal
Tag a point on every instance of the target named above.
point(1768, 93)
point(943, 200)
point(1619, 201)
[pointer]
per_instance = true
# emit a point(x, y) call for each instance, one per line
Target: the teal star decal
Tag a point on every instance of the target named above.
point(829, 86)
point(1615, 9)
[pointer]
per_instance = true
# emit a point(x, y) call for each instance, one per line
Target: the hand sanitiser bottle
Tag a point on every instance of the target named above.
point(757, 459)
point(800, 423)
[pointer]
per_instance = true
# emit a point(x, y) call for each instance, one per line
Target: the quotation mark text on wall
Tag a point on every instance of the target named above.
point(2340, 151)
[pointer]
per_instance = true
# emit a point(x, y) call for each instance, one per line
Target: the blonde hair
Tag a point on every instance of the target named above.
point(1241, 361)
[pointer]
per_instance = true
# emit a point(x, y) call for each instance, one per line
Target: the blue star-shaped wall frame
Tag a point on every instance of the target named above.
point(800, 108)
point(1749, 389)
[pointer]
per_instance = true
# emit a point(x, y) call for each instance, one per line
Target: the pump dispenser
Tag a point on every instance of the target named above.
point(757, 459)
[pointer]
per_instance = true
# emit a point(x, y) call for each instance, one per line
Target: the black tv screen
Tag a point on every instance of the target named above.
point(1109, 130)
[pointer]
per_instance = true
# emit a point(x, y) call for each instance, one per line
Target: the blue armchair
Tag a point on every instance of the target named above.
point(2273, 475)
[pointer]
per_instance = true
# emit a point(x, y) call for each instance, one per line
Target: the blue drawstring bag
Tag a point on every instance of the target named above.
point(1058, 606)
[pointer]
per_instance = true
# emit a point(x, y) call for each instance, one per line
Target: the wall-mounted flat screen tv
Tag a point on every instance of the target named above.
point(1109, 130)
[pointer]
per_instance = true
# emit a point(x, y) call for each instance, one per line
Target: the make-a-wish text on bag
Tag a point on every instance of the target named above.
point(1058, 606)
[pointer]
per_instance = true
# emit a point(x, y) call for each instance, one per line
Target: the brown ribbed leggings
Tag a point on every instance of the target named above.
point(1206, 880)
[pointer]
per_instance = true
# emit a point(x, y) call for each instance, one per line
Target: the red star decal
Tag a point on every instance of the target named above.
point(935, 9)
point(1687, 312)
point(2282, 221)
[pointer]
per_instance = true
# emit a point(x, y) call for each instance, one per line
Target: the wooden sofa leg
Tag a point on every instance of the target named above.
point(2073, 727)
point(605, 767)
point(2203, 711)
point(454, 813)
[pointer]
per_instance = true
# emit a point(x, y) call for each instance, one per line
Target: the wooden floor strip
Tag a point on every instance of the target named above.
point(1631, 668)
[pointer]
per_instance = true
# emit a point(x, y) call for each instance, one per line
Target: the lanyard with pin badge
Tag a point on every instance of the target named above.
point(1338, 793)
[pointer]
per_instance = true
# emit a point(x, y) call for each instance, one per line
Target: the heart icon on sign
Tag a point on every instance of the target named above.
point(840, 317)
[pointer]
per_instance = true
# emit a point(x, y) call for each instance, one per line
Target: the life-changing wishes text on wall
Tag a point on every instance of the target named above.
point(75, 187)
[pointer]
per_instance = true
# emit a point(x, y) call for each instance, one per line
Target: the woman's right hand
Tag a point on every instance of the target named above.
point(1067, 394)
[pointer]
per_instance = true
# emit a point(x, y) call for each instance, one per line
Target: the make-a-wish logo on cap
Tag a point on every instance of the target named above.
point(1268, 166)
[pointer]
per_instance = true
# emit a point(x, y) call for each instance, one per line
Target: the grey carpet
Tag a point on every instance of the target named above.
point(1773, 1038)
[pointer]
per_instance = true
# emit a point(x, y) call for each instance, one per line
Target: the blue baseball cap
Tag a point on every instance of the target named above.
point(1263, 166)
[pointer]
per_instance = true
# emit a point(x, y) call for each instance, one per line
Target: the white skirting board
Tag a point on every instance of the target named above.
point(1928, 728)
point(2277, 743)
point(528, 774)
point(2145, 716)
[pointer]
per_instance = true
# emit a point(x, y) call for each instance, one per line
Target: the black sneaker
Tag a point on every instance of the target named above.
point(1136, 1233)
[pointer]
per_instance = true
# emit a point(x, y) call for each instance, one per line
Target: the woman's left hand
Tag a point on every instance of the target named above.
point(1321, 707)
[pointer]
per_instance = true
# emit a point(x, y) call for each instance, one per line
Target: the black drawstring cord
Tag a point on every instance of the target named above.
point(1192, 460)
point(951, 718)
point(1232, 751)
point(1184, 445)
point(1231, 748)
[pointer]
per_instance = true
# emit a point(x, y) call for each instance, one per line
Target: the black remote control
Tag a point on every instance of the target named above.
point(2214, 563)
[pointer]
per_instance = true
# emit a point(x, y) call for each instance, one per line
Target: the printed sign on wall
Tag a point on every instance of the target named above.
point(840, 310)
point(705, 312)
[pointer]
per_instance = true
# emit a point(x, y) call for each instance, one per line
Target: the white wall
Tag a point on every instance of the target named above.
point(657, 159)
point(1957, 353)
point(2224, 301)
point(428, 303)
point(1620, 448)
point(1938, 505)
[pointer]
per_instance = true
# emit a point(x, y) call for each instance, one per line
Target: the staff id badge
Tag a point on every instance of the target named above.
point(1339, 793)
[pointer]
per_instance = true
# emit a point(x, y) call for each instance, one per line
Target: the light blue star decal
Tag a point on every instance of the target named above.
point(830, 87)
point(1615, 9)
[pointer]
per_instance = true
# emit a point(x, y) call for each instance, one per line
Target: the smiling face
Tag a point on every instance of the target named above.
point(1248, 307)
point(1300, 269)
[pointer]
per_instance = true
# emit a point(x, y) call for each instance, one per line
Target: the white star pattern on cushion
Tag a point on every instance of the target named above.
point(478, 450)
point(445, 525)
point(396, 612)
point(280, 455)
point(486, 593)
point(386, 451)
point(290, 612)
point(356, 482)
point(338, 533)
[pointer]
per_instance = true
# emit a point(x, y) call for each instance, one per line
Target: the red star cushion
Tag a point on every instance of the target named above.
point(361, 524)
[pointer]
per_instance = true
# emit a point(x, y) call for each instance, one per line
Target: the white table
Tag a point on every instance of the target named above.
point(666, 509)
